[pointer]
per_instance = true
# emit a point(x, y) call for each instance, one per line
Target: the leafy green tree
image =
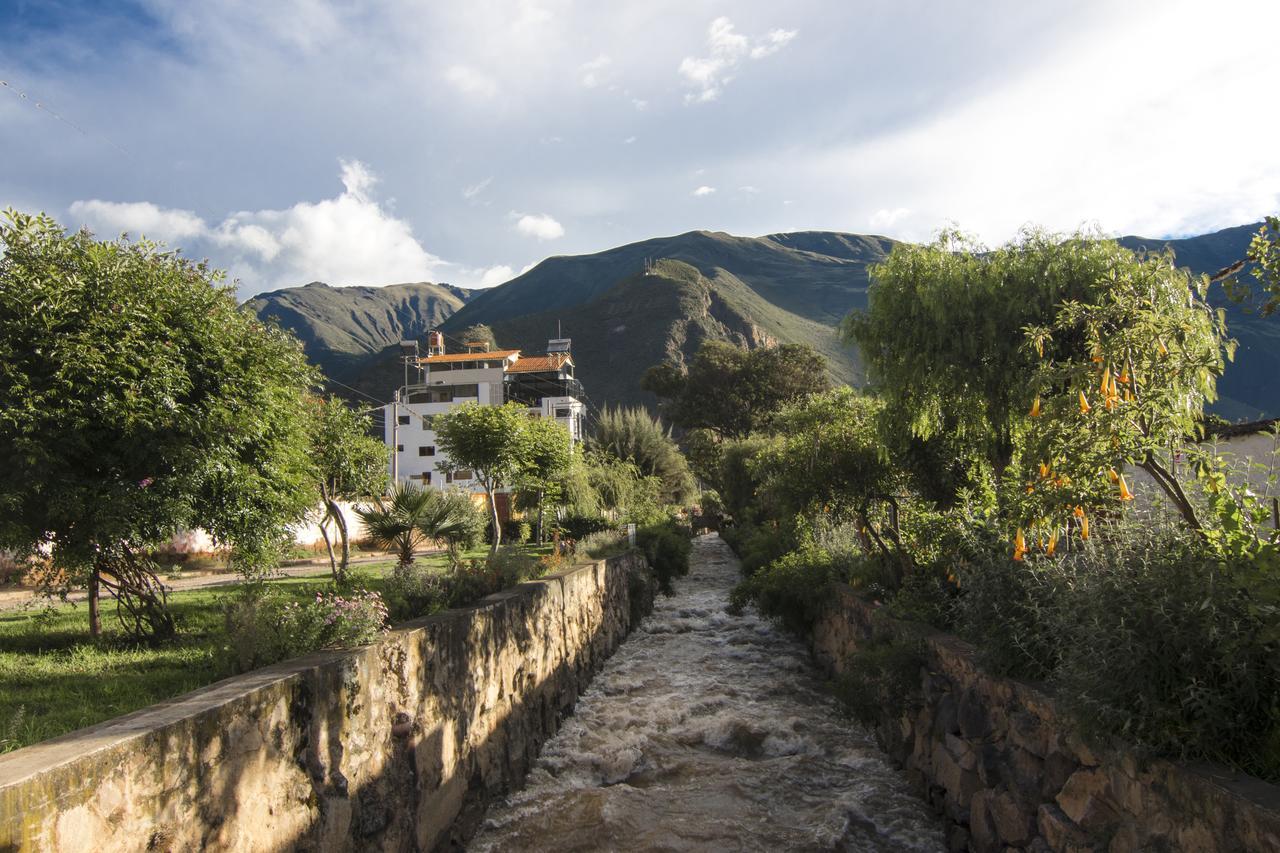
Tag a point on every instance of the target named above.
point(350, 463)
point(732, 391)
point(478, 333)
point(828, 458)
point(1057, 360)
point(1264, 254)
point(137, 401)
point(548, 456)
point(636, 436)
point(492, 442)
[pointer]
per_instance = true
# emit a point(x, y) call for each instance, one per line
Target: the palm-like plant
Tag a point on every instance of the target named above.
point(413, 515)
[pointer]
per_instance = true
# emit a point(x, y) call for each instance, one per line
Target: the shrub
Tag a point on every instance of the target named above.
point(792, 588)
point(580, 526)
point(604, 543)
point(1145, 635)
point(881, 678)
point(265, 628)
point(667, 548)
point(414, 591)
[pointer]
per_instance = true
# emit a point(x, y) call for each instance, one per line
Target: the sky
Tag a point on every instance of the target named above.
point(373, 143)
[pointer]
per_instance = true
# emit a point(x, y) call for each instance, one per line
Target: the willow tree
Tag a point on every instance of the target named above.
point(1057, 359)
point(137, 400)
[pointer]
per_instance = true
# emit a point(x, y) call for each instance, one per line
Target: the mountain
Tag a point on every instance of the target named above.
point(343, 329)
point(634, 306)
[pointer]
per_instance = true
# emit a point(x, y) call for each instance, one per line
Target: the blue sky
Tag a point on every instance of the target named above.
point(374, 143)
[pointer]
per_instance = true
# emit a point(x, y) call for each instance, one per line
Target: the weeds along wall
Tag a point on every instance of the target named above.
point(393, 746)
point(996, 757)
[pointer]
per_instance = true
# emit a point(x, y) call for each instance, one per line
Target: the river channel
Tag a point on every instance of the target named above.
point(710, 731)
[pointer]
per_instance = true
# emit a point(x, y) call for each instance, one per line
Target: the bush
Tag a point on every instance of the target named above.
point(881, 679)
point(476, 579)
point(1144, 635)
point(667, 547)
point(414, 591)
point(578, 527)
point(603, 544)
point(265, 628)
point(791, 589)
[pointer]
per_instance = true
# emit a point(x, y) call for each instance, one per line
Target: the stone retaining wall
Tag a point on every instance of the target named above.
point(996, 758)
point(393, 746)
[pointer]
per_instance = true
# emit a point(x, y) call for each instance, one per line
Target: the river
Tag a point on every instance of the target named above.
point(710, 731)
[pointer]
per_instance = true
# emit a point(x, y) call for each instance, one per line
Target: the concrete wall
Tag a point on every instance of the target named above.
point(393, 746)
point(996, 758)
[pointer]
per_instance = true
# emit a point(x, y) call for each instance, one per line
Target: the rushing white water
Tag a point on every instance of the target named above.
point(709, 731)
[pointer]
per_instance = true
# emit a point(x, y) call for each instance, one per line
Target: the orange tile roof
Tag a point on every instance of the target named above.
point(469, 356)
point(540, 363)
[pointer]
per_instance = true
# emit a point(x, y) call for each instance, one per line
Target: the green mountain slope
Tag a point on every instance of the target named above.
point(785, 269)
point(343, 328)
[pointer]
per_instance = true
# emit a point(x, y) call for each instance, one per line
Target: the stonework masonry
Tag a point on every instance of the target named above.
point(394, 746)
point(998, 760)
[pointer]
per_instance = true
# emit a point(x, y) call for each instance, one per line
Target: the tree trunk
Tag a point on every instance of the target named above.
point(328, 546)
point(344, 536)
point(541, 492)
point(493, 516)
point(1169, 483)
point(95, 618)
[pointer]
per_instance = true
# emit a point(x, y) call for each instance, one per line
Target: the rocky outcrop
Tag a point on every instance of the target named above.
point(393, 746)
point(995, 756)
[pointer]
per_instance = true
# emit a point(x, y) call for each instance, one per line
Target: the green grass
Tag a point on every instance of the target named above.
point(54, 678)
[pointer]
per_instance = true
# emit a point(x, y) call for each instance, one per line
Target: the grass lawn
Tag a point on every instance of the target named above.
point(55, 679)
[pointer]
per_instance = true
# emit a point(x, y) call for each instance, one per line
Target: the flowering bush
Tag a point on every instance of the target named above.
point(267, 628)
point(331, 621)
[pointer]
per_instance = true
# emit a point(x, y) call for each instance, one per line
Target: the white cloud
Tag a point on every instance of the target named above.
point(708, 75)
point(748, 189)
point(477, 188)
point(775, 41)
point(640, 104)
point(628, 140)
point(704, 190)
point(471, 82)
point(350, 239)
point(593, 72)
point(541, 226)
point(496, 275)
point(885, 218)
point(139, 219)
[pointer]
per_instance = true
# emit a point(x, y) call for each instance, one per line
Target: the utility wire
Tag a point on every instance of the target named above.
point(43, 107)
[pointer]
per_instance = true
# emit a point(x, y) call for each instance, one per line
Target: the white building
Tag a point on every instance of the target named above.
point(545, 384)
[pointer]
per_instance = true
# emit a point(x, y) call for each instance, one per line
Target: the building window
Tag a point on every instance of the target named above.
point(460, 474)
point(404, 420)
point(429, 450)
point(428, 421)
point(426, 478)
point(399, 448)
point(564, 412)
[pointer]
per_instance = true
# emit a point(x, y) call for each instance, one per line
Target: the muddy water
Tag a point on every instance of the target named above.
point(707, 731)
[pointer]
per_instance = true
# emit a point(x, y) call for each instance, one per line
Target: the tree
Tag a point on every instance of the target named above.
point(490, 441)
point(350, 463)
point(1264, 254)
point(478, 333)
point(1057, 360)
point(413, 515)
point(732, 391)
point(137, 401)
point(547, 457)
point(636, 436)
point(828, 456)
